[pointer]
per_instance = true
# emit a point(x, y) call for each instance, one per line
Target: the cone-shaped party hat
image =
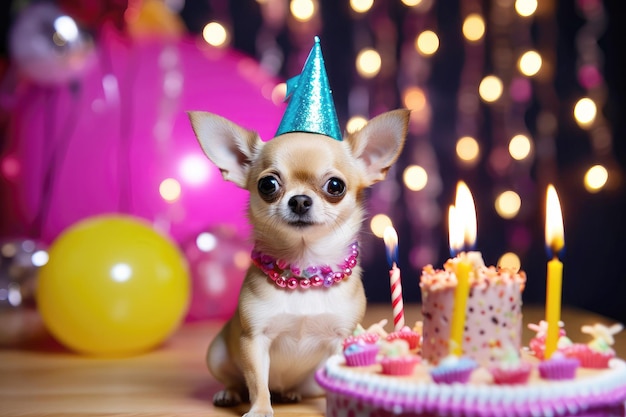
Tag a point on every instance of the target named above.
point(311, 108)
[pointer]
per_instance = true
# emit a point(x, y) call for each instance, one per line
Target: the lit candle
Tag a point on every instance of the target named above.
point(462, 234)
point(391, 243)
point(554, 243)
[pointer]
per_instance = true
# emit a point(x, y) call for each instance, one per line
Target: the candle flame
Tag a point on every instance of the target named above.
point(390, 237)
point(462, 220)
point(555, 239)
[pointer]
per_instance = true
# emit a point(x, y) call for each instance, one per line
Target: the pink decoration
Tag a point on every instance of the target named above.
point(218, 260)
point(589, 76)
point(107, 143)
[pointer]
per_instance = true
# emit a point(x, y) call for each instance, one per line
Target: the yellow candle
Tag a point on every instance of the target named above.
point(553, 305)
point(462, 232)
point(462, 272)
point(554, 280)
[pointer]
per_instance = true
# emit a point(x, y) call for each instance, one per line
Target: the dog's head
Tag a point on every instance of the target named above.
point(303, 185)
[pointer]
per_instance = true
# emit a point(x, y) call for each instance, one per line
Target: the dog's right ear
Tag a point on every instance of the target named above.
point(229, 146)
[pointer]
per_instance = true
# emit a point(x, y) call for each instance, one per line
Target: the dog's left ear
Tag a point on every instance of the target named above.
point(379, 143)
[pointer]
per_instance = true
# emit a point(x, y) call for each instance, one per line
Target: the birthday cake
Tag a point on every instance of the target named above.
point(494, 376)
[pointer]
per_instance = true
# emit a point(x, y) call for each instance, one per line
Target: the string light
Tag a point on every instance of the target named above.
point(379, 223)
point(361, 6)
point(585, 112)
point(529, 63)
point(510, 261)
point(215, 34)
point(467, 149)
point(368, 63)
point(412, 3)
point(415, 177)
point(302, 10)
point(525, 8)
point(474, 27)
point(519, 147)
point(414, 99)
point(596, 178)
point(490, 88)
point(508, 204)
point(355, 123)
point(170, 190)
point(427, 43)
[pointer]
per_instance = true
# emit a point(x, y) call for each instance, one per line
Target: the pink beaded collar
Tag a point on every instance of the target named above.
point(293, 276)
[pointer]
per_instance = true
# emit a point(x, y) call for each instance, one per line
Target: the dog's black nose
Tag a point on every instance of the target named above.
point(300, 204)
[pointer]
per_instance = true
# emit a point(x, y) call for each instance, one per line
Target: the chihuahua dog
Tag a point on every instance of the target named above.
point(303, 293)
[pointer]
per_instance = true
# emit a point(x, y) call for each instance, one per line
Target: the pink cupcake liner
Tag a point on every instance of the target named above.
point(559, 368)
point(363, 355)
point(588, 357)
point(411, 337)
point(449, 374)
point(502, 376)
point(399, 366)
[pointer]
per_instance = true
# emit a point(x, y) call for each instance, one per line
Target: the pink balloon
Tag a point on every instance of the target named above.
point(107, 143)
point(218, 259)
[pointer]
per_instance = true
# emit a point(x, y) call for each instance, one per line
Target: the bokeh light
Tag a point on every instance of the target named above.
point(530, 63)
point(368, 63)
point(170, 190)
point(467, 149)
point(490, 88)
point(525, 8)
point(427, 43)
point(474, 27)
point(415, 177)
point(520, 147)
point(355, 123)
point(596, 178)
point(361, 6)
point(379, 223)
point(508, 204)
point(195, 169)
point(206, 241)
point(412, 3)
point(585, 112)
point(215, 34)
point(66, 30)
point(510, 261)
point(414, 99)
point(303, 10)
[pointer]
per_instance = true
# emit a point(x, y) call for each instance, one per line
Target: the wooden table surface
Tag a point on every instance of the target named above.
point(44, 380)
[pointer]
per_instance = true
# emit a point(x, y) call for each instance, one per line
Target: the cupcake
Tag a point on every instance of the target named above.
point(597, 353)
point(396, 358)
point(538, 343)
point(558, 367)
point(453, 369)
point(410, 336)
point(510, 369)
point(361, 354)
point(588, 357)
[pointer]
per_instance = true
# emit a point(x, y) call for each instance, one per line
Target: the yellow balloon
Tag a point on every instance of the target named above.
point(113, 286)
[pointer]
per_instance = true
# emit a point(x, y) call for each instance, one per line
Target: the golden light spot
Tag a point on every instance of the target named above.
point(170, 190)
point(508, 204)
point(474, 27)
point(585, 112)
point(415, 177)
point(215, 34)
point(368, 63)
point(490, 88)
point(427, 43)
point(596, 178)
point(519, 147)
point(467, 149)
point(530, 63)
point(379, 223)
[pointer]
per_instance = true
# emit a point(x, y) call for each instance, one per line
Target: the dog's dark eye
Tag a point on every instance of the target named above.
point(335, 187)
point(268, 185)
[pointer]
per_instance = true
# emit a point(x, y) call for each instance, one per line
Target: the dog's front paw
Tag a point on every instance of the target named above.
point(226, 398)
point(259, 413)
point(286, 397)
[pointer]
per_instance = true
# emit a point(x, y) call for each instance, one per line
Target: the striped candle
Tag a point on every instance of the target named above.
point(391, 243)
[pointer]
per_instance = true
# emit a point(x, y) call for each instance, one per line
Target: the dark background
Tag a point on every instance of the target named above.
point(595, 267)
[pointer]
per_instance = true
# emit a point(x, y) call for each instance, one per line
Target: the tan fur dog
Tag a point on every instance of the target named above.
point(306, 195)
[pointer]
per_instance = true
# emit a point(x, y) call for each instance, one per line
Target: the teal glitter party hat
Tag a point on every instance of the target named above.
point(311, 108)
